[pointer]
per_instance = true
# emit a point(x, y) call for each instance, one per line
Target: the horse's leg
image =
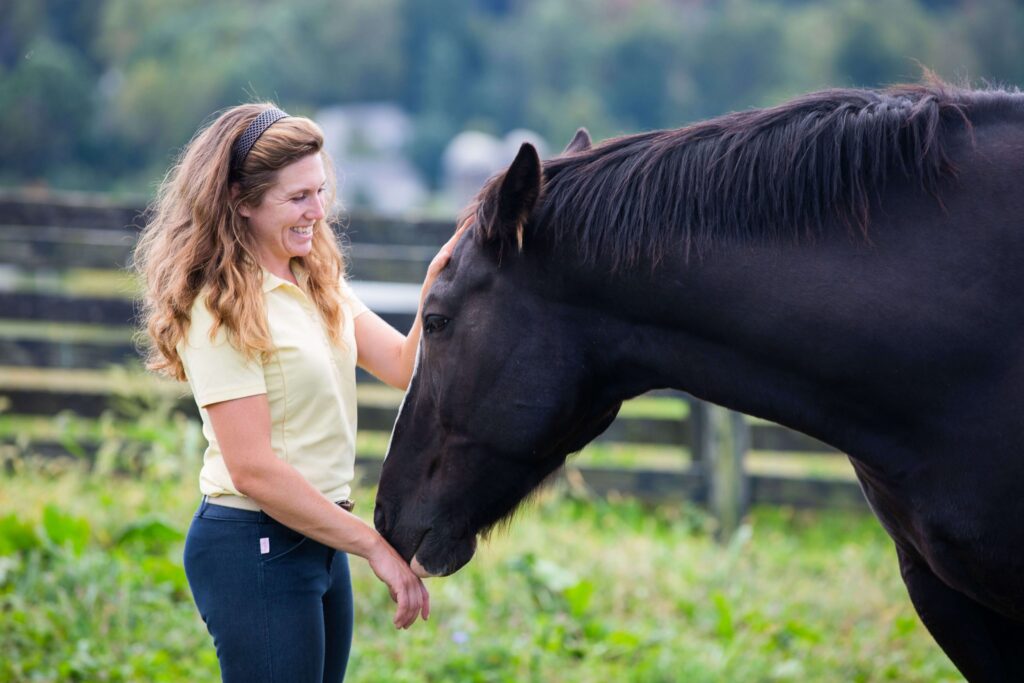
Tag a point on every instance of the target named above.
point(980, 642)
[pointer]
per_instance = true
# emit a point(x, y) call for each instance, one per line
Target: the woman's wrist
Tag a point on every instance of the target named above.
point(368, 544)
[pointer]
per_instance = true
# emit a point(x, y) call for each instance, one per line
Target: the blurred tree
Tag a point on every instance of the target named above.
point(174, 64)
point(74, 23)
point(637, 68)
point(544, 70)
point(994, 28)
point(357, 51)
point(433, 132)
point(735, 59)
point(439, 47)
point(882, 42)
point(20, 23)
point(100, 93)
point(46, 103)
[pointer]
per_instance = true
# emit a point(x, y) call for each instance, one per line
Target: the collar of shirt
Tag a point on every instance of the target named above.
point(271, 281)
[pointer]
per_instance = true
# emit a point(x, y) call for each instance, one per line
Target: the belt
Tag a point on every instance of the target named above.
point(243, 503)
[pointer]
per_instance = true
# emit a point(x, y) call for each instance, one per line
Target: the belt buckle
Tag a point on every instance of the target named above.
point(346, 505)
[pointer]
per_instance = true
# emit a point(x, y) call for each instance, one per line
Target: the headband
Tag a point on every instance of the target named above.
point(256, 128)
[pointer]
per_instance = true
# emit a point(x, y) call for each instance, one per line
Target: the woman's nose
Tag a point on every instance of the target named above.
point(316, 210)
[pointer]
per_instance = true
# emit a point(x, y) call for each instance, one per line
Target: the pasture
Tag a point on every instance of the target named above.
point(578, 589)
point(587, 584)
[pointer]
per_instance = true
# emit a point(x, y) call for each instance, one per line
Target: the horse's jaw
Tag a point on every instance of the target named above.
point(435, 557)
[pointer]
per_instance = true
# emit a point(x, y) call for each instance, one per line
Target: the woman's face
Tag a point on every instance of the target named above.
point(283, 223)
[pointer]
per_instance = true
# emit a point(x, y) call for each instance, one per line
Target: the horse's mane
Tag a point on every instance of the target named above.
point(777, 174)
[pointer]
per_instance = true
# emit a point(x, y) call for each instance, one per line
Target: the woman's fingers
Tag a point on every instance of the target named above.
point(446, 251)
point(438, 263)
point(454, 239)
point(404, 587)
point(414, 601)
point(425, 611)
point(409, 604)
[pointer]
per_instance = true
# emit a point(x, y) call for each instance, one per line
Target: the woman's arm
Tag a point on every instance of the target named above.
point(242, 427)
point(383, 350)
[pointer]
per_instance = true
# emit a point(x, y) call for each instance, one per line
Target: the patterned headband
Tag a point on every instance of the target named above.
point(240, 150)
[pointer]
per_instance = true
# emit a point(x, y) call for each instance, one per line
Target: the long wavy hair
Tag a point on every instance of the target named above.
point(196, 242)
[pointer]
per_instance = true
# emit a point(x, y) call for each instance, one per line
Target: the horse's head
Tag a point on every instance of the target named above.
point(507, 382)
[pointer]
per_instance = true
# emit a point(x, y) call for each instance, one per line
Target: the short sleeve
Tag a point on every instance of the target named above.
point(217, 371)
point(356, 306)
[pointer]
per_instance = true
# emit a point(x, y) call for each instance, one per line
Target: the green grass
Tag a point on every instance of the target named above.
point(91, 588)
point(92, 282)
point(65, 332)
point(656, 407)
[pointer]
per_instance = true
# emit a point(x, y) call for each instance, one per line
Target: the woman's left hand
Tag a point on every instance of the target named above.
point(384, 351)
point(439, 261)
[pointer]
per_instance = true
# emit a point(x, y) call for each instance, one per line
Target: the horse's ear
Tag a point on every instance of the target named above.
point(517, 195)
point(579, 143)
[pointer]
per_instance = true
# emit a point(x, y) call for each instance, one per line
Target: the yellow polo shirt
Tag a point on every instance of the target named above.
point(310, 384)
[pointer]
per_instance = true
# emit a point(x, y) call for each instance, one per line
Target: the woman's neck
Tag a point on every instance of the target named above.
point(282, 269)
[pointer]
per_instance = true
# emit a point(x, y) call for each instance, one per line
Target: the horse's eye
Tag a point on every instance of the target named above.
point(434, 323)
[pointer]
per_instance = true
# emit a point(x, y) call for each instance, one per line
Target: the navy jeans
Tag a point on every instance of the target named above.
point(278, 604)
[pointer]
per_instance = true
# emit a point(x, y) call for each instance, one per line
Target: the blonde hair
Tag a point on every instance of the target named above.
point(196, 241)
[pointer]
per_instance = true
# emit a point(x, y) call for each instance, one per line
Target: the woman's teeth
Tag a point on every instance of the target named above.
point(305, 232)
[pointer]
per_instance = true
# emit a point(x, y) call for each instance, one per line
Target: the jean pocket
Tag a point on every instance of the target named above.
point(277, 541)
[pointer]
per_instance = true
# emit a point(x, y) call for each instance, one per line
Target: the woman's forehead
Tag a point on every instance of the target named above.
point(308, 172)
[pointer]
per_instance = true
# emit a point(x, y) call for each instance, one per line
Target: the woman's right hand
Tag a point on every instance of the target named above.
point(405, 587)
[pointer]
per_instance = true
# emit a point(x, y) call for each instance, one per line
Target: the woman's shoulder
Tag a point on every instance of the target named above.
point(202, 321)
point(349, 297)
point(200, 313)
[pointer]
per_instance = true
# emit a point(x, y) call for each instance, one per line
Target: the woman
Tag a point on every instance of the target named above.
point(245, 298)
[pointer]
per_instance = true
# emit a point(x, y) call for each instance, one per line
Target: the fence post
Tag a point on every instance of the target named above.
point(721, 438)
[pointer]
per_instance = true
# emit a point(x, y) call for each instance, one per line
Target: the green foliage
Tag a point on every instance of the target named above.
point(101, 94)
point(46, 105)
point(92, 588)
point(64, 530)
point(151, 533)
point(16, 536)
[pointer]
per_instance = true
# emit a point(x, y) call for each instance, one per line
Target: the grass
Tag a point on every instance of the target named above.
point(91, 588)
point(578, 589)
point(65, 332)
point(93, 282)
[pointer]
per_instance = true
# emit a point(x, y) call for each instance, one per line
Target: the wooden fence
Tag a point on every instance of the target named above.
point(66, 314)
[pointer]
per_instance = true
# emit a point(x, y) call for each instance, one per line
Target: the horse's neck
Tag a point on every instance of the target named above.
point(866, 344)
point(854, 343)
point(764, 332)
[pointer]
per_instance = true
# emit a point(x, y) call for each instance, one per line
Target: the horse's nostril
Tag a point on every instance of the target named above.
point(432, 467)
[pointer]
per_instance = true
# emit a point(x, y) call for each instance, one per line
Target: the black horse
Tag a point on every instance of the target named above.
point(849, 264)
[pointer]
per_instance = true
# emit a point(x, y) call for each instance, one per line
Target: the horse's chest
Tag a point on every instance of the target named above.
point(968, 529)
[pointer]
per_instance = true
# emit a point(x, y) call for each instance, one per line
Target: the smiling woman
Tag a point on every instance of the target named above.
point(245, 298)
point(282, 225)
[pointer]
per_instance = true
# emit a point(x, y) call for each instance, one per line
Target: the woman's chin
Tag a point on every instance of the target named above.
point(300, 250)
point(298, 246)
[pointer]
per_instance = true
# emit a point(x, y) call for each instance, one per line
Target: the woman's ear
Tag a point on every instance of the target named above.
point(243, 210)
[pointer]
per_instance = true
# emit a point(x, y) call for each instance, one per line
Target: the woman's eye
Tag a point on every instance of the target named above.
point(434, 323)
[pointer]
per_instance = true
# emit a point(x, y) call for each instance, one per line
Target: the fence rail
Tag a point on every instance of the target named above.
point(50, 245)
